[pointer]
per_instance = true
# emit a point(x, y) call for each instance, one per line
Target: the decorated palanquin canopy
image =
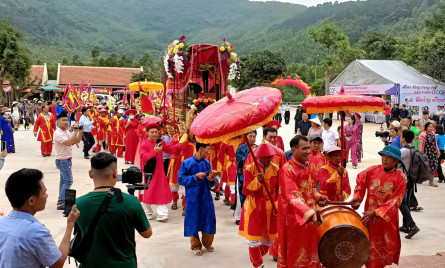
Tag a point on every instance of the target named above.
point(202, 57)
point(236, 115)
point(146, 86)
point(343, 102)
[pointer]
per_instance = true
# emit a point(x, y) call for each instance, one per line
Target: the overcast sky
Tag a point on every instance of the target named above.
point(306, 2)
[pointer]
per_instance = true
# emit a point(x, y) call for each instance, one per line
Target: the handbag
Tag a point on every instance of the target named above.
point(79, 246)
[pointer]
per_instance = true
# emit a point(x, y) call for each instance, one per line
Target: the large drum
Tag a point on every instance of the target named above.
point(344, 239)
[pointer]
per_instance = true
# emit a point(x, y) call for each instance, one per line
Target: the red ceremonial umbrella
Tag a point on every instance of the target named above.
point(237, 115)
point(342, 102)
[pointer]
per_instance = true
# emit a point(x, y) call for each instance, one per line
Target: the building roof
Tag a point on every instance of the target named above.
point(37, 72)
point(377, 72)
point(97, 76)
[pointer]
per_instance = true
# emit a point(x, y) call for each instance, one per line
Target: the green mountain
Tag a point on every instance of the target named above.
point(62, 28)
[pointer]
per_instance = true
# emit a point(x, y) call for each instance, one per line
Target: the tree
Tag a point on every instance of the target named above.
point(378, 45)
point(432, 55)
point(260, 68)
point(95, 52)
point(15, 60)
point(338, 50)
point(76, 61)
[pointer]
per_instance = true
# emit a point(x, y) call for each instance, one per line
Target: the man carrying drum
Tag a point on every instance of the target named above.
point(386, 189)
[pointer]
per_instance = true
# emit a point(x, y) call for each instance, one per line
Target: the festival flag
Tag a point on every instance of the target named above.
point(131, 98)
point(124, 101)
point(89, 90)
point(146, 104)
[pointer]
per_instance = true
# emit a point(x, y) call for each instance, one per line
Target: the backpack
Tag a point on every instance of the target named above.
point(419, 167)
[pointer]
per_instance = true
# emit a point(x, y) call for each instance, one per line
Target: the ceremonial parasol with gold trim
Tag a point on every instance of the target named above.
point(342, 102)
point(237, 115)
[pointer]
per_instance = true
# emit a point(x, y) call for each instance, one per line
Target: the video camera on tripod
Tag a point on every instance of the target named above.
point(133, 176)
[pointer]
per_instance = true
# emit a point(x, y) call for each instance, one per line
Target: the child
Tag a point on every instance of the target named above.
point(334, 180)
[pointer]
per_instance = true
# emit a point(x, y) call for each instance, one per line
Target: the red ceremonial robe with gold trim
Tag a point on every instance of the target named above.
point(47, 127)
point(118, 131)
point(227, 159)
point(181, 150)
point(257, 221)
point(385, 194)
point(103, 124)
point(330, 183)
point(316, 161)
point(296, 205)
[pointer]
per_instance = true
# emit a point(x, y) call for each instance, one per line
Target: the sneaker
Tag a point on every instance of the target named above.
point(404, 229)
point(162, 218)
point(86, 157)
point(237, 222)
point(217, 196)
point(61, 207)
point(412, 232)
point(149, 215)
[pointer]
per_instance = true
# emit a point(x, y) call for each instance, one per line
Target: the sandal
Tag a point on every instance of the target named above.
point(183, 212)
point(416, 209)
point(174, 206)
point(210, 249)
point(197, 252)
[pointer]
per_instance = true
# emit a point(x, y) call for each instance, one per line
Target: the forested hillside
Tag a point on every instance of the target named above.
point(62, 28)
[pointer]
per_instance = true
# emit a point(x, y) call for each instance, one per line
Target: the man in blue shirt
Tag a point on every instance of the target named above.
point(404, 112)
point(25, 242)
point(88, 138)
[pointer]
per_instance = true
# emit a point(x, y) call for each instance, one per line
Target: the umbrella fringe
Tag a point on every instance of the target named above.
point(238, 132)
point(316, 110)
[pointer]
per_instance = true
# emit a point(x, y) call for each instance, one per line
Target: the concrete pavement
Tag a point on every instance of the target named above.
point(169, 248)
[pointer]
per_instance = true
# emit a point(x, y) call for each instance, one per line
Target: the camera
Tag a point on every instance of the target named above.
point(382, 134)
point(79, 127)
point(133, 176)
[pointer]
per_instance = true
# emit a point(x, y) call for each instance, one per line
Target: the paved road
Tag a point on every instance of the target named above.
point(169, 248)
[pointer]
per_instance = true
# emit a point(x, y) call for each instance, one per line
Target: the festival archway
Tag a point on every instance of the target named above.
point(297, 82)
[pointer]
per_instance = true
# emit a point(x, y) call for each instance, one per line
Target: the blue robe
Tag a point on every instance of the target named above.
point(199, 209)
point(241, 155)
point(8, 137)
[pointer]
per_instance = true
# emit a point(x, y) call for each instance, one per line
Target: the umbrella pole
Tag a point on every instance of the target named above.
point(272, 201)
point(342, 142)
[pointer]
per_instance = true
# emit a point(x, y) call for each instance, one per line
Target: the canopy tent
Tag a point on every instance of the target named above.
point(50, 88)
point(391, 77)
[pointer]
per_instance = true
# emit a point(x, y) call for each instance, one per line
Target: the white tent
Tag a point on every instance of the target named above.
point(391, 77)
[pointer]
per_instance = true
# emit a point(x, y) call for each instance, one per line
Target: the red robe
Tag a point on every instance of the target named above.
point(142, 136)
point(257, 222)
point(385, 194)
point(213, 158)
point(316, 161)
point(158, 192)
point(280, 143)
point(131, 139)
point(118, 131)
point(330, 183)
point(47, 127)
point(103, 124)
point(278, 159)
point(181, 150)
point(94, 115)
point(296, 205)
point(227, 159)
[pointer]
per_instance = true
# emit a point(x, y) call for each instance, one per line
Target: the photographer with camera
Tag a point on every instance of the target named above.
point(158, 193)
point(114, 243)
point(87, 124)
point(386, 136)
point(63, 140)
